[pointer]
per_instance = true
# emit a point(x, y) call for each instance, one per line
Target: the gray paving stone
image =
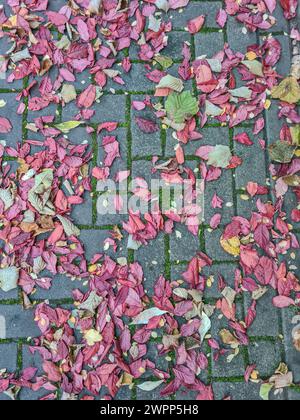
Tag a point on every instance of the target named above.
point(266, 355)
point(281, 24)
point(151, 258)
point(228, 273)
point(238, 41)
point(247, 207)
point(8, 357)
point(223, 187)
point(292, 355)
point(6, 45)
point(144, 144)
point(150, 395)
point(175, 44)
point(267, 322)
point(79, 136)
point(273, 123)
point(135, 80)
point(111, 108)
point(186, 395)
point(124, 394)
point(94, 242)
point(183, 244)
point(236, 391)
point(209, 43)
point(19, 323)
point(62, 288)
point(13, 294)
point(293, 395)
point(83, 213)
point(194, 9)
point(253, 168)
point(10, 111)
point(35, 361)
point(213, 246)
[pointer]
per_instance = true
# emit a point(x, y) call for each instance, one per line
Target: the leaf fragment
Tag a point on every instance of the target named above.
point(181, 107)
point(282, 152)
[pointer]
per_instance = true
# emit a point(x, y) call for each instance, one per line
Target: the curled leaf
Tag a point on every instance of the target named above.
point(9, 278)
point(69, 228)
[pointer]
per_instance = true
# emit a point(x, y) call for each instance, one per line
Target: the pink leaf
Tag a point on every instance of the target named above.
point(5, 125)
point(196, 24)
point(283, 302)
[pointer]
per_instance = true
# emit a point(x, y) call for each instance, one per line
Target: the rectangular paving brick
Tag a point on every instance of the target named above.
point(267, 322)
point(110, 108)
point(135, 80)
point(253, 168)
point(238, 39)
point(183, 244)
point(144, 144)
point(194, 9)
point(62, 288)
point(292, 355)
point(8, 357)
point(209, 43)
point(19, 323)
point(152, 259)
point(94, 243)
point(267, 356)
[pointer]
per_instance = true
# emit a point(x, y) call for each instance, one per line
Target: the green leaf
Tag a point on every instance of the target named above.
point(164, 61)
point(288, 90)
point(295, 133)
point(265, 390)
point(67, 126)
point(205, 326)
point(220, 157)
point(282, 152)
point(255, 67)
point(181, 107)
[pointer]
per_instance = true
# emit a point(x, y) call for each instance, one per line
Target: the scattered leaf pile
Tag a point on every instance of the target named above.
point(100, 344)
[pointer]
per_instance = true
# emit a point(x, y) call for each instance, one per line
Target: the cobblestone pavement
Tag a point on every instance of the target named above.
point(270, 335)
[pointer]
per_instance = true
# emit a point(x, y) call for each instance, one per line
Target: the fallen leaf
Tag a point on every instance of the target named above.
point(288, 90)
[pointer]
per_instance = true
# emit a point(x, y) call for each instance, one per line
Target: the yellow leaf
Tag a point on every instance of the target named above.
point(92, 337)
point(251, 55)
point(288, 90)
point(228, 339)
point(231, 246)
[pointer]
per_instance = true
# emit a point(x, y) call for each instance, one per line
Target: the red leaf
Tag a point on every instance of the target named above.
point(87, 98)
point(147, 126)
point(195, 25)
